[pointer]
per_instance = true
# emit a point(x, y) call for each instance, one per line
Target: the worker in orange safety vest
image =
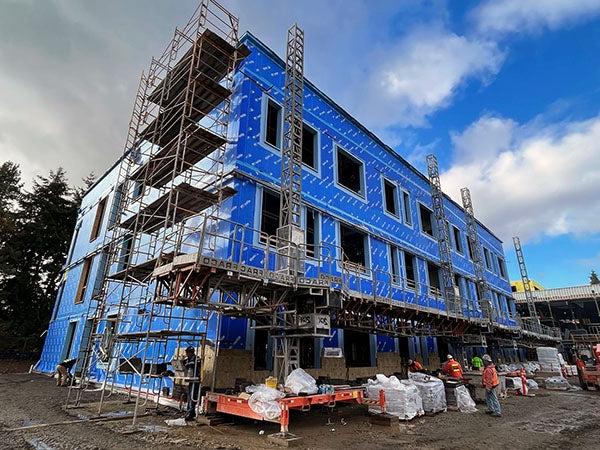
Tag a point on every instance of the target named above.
point(490, 382)
point(415, 366)
point(452, 368)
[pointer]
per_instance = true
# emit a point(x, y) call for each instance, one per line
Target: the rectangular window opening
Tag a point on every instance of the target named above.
point(458, 244)
point(406, 206)
point(312, 238)
point(273, 126)
point(394, 264)
point(309, 146)
point(353, 243)
point(357, 349)
point(390, 197)
point(307, 352)
point(350, 172)
point(269, 217)
point(470, 249)
point(411, 272)
point(261, 346)
point(488, 259)
point(100, 209)
point(426, 220)
point(433, 274)
point(83, 280)
point(502, 267)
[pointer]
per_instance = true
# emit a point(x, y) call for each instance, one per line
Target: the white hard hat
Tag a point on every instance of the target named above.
point(449, 357)
point(487, 357)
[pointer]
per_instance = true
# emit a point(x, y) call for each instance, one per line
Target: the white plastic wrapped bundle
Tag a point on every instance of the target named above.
point(514, 383)
point(464, 401)
point(548, 359)
point(263, 401)
point(402, 399)
point(300, 382)
point(532, 384)
point(558, 383)
point(432, 391)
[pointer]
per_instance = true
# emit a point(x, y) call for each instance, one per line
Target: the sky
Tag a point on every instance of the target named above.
point(506, 93)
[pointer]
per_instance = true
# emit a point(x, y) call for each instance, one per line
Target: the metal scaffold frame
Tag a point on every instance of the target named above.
point(483, 289)
point(172, 169)
point(533, 320)
point(449, 288)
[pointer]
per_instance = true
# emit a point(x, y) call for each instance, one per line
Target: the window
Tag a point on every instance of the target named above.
point(426, 220)
point(433, 274)
point(273, 125)
point(458, 244)
point(350, 172)
point(513, 289)
point(357, 349)
point(312, 232)
point(502, 267)
point(470, 249)
point(269, 216)
point(353, 244)
point(488, 259)
point(394, 264)
point(83, 280)
point(114, 209)
point(406, 206)
point(98, 219)
point(125, 254)
point(309, 146)
point(138, 189)
point(74, 242)
point(390, 197)
point(410, 267)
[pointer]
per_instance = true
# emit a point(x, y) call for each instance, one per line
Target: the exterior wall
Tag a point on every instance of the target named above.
point(257, 166)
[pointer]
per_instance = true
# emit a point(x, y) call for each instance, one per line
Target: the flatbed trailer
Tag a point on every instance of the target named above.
point(238, 406)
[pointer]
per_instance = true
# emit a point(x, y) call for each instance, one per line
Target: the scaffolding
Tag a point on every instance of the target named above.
point(532, 322)
point(449, 288)
point(474, 246)
point(172, 169)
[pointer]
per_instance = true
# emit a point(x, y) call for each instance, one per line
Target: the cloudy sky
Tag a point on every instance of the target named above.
point(505, 92)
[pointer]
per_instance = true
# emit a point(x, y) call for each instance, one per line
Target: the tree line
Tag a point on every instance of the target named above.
point(36, 226)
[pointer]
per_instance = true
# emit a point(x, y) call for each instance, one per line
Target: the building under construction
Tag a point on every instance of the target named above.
point(253, 218)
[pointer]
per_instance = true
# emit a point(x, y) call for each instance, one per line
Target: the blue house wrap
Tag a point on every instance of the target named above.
point(391, 238)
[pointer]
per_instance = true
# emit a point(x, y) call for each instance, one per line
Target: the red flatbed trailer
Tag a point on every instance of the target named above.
point(238, 406)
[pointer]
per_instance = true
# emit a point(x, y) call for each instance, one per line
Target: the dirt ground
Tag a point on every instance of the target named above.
point(550, 420)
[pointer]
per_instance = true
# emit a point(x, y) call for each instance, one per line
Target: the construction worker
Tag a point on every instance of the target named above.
point(192, 374)
point(490, 382)
point(580, 364)
point(415, 366)
point(452, 368)
point(63, 371)
point(476, 362)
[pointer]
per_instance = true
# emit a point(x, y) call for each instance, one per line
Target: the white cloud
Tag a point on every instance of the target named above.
point(531, 182)
point(422, 73)
point(504, 16)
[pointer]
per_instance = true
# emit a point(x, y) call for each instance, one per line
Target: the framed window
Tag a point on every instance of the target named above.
point(470, 249)
point(311, 228)
point(350, 172)
point(390, 197)
point(100, 209)
point(84, 278)
point(138, 189)
point(426, 216)
point(488, 258)
point(433, 274)
point(273, 124)
point(458, 243)
point(406, 208)
point(394, 257)
point(353, 244)
point(125, 253)
point(114, 208)
point(269, 214)
point(410, 268)
point(502, 267)
point(310, 147)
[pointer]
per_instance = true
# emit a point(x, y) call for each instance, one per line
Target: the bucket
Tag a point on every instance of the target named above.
point(271, 382)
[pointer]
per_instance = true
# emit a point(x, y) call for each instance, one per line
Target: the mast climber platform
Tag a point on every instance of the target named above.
point(174, 261)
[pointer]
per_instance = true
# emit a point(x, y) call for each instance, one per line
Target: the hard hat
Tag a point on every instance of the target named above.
point(190, 349)
point(410, 361)
point(449, 357)
point(487, 357)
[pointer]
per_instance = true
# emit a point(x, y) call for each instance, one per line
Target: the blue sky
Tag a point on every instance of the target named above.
point(505, 92)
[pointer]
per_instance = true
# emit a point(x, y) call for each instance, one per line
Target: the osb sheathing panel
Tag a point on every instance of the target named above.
point(234, 364)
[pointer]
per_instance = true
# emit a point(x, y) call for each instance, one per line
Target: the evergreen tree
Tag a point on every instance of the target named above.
point(35, 254)
point(79, 192)
point(594, 278)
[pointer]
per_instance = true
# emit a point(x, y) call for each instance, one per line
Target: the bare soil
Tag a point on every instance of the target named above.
point(550, 420)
